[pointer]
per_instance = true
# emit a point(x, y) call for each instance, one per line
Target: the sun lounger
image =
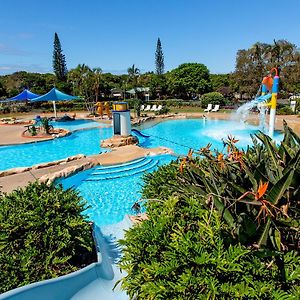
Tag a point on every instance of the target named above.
point(154, 107)
point(142, 107)
point(216, 108)
point(159, 108)
point(209, 108)
point(148, 107)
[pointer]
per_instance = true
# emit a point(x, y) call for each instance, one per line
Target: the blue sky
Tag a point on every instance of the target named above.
point(114, 34)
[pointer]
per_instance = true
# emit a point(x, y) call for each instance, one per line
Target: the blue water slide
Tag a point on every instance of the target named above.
point(140, 133)
point(96, 281)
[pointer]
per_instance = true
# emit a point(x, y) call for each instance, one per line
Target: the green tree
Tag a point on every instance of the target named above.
point(59, 60)
point(254, 63)
point(3, 92)
point(96, 82)
point(133, 75)
point(159, 58)
point(189, 80)
point(213, 98)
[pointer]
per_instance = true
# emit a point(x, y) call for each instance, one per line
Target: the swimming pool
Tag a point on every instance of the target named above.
point(183, 134)
point(80, 142)
point(111, 191)
point(179, 135)
point(78, 124)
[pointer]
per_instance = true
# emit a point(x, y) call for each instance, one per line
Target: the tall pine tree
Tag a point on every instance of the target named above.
point(59, 60)
point(159, 58)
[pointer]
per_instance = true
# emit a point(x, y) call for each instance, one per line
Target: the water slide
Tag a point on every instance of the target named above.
point(96, 281)
point(140, 133)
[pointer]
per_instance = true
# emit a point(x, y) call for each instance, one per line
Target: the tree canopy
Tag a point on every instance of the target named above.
point(189, 80)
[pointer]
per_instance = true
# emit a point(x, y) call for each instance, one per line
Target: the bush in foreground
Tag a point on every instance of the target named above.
point(221, 225)
point(43, 234)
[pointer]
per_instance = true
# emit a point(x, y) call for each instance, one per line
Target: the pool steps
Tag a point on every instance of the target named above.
point(131, 167)
point(137, 167)
point(121, 165)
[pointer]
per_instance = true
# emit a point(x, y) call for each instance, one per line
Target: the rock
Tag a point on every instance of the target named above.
point(119, 141)
point(14, 171)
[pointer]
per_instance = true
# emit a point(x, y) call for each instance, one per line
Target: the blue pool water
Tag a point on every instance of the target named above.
point(110, 199)
point(112, 192)
point(181, 135)
point(81, 142)
point(77, 124)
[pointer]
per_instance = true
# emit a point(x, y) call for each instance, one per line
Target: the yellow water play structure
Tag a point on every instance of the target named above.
point(103, 108)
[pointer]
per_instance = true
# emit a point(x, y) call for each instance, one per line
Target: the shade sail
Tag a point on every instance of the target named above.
point(23, 96)
point(54, 95)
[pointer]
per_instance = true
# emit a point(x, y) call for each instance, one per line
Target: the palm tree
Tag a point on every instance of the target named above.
point(96, 79)
point(133, 74)
point(133, 71)
point(78, 78)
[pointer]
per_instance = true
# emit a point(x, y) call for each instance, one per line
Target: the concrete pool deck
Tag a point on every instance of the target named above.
point(116, 156)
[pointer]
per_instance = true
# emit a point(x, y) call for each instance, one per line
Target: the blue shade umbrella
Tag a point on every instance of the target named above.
point(55, 95)
point(23, 96)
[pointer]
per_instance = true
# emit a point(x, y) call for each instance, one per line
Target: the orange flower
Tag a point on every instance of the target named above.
point(262, 188)
point(182, 165)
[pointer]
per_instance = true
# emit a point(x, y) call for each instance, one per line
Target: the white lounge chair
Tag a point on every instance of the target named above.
point(142, 107)
point(148, 107)
point(209, 108)
point(159, 107)
point(216, 108)
point(154, 107)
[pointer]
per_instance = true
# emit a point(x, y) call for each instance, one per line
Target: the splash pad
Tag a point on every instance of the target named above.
point(267, 99)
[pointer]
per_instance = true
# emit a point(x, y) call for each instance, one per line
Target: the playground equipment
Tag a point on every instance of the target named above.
point(101, 108)
point(269, 90)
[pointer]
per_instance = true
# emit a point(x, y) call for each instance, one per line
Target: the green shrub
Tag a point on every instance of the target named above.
point(213, 98)
point(5, 110)
point(248, 203)
point(190, 255)
point(43, 234)
point(286, 110)
point(165, 109)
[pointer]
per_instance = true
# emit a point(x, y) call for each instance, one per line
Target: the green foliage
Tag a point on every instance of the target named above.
point(286, 110)
point(5, 109)
point(247, 203)
point(46, 125)
point(159, 58)
point(32, 130)
point(59, 60)
point(135, 104)
point(190, 255)
point(43, 234)
point(189, 80)
point(213, 98)
point(254, 63)
point(165, 110)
